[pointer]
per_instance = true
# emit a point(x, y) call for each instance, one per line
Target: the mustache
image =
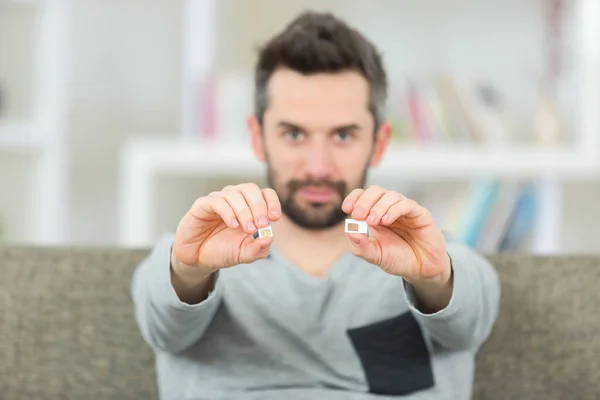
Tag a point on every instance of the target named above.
point(296, 184)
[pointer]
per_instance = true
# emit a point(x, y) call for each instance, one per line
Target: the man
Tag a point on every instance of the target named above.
point(314, 312)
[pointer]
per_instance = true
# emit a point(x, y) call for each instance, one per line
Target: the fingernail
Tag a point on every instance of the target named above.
point(275, 213)
point(263, 221)
point(234, 223)
point(373, 217)
point(250, 226)
point(386, 217)
point(346, 204)
point(358, 211)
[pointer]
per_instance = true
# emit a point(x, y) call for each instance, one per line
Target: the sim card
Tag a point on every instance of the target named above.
point(354, 226)
point(264, 232)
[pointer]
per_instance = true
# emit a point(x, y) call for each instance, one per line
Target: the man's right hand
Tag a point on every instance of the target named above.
point(217, 232)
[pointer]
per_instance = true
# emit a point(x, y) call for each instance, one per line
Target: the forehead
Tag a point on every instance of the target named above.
point(333, 96)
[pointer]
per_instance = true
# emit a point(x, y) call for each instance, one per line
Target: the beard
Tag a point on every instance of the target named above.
point(313, 216)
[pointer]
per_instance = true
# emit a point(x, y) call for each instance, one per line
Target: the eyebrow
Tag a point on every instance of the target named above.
point(291, 125)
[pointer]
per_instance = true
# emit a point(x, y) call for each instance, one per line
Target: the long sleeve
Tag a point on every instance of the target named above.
point(472, 311)
point(165, 322)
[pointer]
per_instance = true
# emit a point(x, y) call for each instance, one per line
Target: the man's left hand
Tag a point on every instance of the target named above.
point(403, 240)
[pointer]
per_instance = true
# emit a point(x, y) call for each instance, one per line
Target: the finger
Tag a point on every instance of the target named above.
point(212, 207)
point(364, 247)
point(351, 199)
point(256, 202)
point(255, 249)
point(273, 204)
point(368, 199)
point(242, 211)
point(222, 207)
point(404, 208)
point(382, 206)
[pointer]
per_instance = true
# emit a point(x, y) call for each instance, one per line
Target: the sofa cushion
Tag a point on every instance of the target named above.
point(67, 328)
point(546, 342)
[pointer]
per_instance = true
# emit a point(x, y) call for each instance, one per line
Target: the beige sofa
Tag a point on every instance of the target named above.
point(67, 329)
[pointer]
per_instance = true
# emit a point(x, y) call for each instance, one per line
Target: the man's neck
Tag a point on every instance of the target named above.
point(313, 251)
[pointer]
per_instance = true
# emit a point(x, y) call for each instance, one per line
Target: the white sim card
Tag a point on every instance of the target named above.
point(354, 226)
point(265, 232)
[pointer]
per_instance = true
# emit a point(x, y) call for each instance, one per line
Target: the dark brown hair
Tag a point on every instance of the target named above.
point(320, 42)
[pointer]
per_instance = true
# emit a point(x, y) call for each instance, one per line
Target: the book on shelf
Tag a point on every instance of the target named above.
point(489, 215)
point(437, 111)
point(433, 111)
point(225, 101)
point(446, 110)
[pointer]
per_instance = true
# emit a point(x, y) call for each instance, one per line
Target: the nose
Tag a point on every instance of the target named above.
point(319, 161)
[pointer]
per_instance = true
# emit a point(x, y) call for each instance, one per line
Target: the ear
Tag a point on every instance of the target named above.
point(256, 138)
point(382, 139)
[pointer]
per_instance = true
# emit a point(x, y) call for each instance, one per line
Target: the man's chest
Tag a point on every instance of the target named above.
point(287, 300)
point(318, 332)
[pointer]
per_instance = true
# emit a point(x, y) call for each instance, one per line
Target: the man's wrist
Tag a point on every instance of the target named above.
point(190, 274)
point(434, 294)
point(191, 284)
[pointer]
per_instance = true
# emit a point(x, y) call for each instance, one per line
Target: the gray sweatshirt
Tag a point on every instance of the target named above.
point(270, 331)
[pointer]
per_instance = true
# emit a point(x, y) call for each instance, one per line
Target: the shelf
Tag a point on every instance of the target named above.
point(143, 161)
point(406, 162)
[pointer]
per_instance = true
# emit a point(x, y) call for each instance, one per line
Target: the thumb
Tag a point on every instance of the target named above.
point(255, 249)
point(361, 246)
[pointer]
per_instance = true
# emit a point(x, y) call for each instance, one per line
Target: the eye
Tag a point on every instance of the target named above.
point(294, 135)
point(342, 136)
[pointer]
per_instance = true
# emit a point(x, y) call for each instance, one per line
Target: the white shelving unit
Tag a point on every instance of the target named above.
point(40, 138)
point(144, 161)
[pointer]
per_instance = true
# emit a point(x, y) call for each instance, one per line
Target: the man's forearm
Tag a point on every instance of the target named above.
point(172, 318)
point(191, 284)
point(459, 314)
point(433, 295)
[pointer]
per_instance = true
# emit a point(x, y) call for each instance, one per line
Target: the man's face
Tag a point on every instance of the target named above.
point(318, 143)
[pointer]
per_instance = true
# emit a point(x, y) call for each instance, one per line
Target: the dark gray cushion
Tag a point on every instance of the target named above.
point(67, 329)
point(546, 342)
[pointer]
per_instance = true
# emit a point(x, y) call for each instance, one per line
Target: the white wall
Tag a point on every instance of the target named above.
point(16, 66)
point(126, 62)
point(581, 218)
point(14, 188)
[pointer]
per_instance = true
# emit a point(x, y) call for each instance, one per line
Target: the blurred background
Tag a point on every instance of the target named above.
point(116, 115)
